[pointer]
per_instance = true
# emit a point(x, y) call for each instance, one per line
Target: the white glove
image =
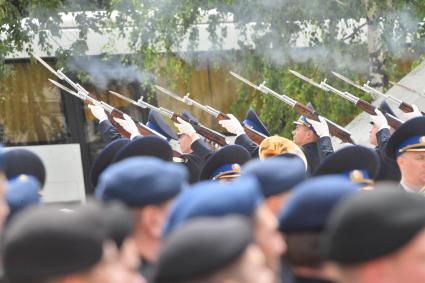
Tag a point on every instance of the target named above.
point(129, 125)
point(379, 120)
point(415, 113)
point(321, 127)
point(232, 125)
point(98, 112)
point(186, 128)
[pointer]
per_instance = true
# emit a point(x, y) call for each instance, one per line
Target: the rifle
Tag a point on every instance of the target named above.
point(202, 130)
point(334, 129)
point(254, 135)
point(408, 88)
point(84, 95)
point(362, 104)
point(403, 106)
point(110, 111)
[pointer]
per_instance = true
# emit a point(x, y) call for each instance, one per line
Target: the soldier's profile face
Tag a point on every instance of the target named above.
point(300, 135)
point(372, 135)
point(253, 267)
point(267, 237)
point(412, 167)
point(409, 262)
point(185, 143)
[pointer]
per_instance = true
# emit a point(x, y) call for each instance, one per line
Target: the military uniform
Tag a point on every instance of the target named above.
point(389, 169)
point(303, 219)
point(193, 162)
point(316, 152)
point(357, 163)
point(409, 137)
point(139, 182)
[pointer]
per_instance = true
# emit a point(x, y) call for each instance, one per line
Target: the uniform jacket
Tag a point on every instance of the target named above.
point(248, 144)
point(389, 169)
point(316, 152)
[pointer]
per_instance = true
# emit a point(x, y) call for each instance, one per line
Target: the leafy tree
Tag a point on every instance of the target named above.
point(269, 29)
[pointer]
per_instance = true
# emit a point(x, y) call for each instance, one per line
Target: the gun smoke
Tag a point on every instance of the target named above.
point(101, 73)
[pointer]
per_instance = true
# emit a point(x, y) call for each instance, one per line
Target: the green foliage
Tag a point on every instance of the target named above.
point(269, 29)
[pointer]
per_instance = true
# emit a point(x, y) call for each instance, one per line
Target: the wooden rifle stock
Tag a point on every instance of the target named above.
point(334, 129)
point(370, 109)
point(405, 107)
point(202, 130)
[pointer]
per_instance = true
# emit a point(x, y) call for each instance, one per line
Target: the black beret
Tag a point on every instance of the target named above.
point(412, 128)
point(348, 159)
point(372, 224)
point(21, 161)
point(105, 157)
point(113, 217)
point(43, 242)
point(145, 146)
point(202, 247)
point(157, 123)
point(228, 155)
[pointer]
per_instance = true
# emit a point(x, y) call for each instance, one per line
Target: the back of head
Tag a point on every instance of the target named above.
point(277, 145)
point(141, 181)
point(43, 243)
point(20, 161)
point(214, 199)
point(372, 224)
point(202, 248)
point(304, 216)
point(276, 175)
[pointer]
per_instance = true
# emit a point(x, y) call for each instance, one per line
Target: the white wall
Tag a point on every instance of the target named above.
point(64, 172)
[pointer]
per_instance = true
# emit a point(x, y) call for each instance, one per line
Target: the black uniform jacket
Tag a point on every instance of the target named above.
point(316, 152)
point(389, 169)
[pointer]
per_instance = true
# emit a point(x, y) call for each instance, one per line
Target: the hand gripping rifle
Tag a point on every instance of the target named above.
point(200, 129)
point(111, 112)
point(334, 129)
point(362, 104)
point(254, 135)
point(403, 106)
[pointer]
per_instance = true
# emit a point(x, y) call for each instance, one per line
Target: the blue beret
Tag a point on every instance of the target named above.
point(105, 158)
point(359, 163)
point(311, 202)
point(158, 124)
point(145, 146)
point(410, 136)
point(141, 181)
point(22, 192)
point(253, 121)
point(20, 161)
point(225, 161)
point(209, 198)
point(276, 175)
